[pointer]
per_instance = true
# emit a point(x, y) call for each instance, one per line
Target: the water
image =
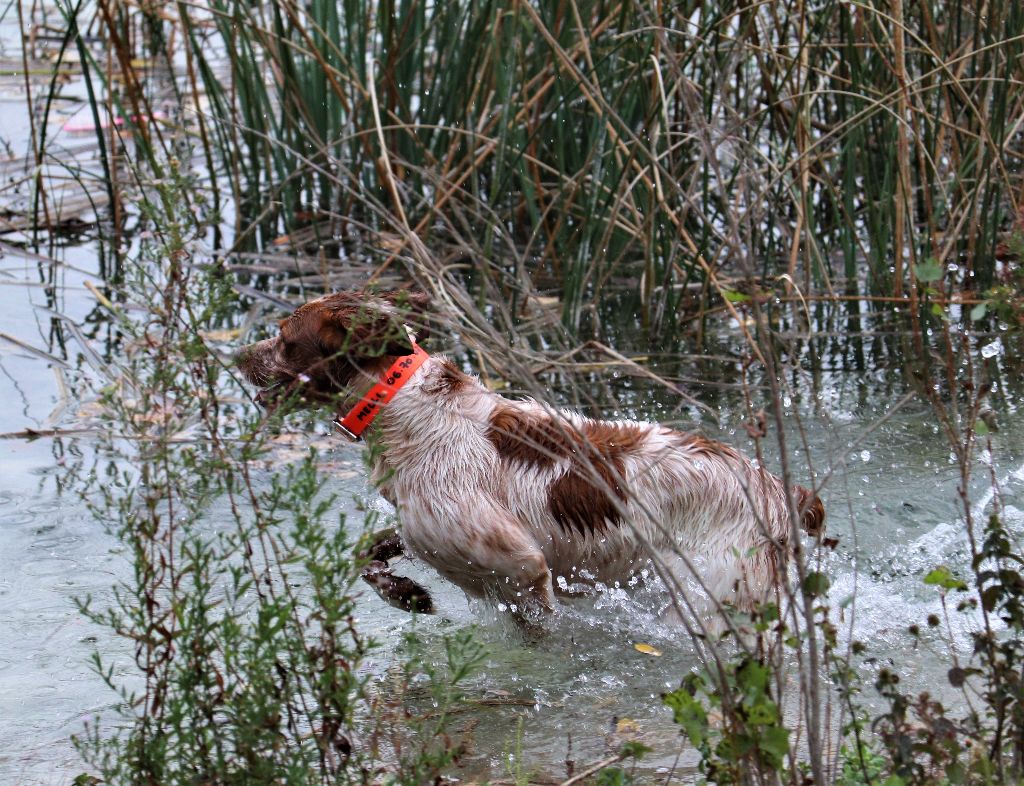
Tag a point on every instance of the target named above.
point(580, 691)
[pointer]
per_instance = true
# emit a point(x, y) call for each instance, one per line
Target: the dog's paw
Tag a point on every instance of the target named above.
point(383, 546)
point(400, 591)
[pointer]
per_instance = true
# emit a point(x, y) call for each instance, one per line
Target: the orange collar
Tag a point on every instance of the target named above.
point(363, 414)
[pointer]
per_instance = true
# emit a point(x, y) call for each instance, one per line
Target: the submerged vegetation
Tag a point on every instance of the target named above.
point(762, 172)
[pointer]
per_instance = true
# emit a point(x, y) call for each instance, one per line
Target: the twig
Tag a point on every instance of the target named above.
point(31, 433)
point(593, 768)
point(37, 352)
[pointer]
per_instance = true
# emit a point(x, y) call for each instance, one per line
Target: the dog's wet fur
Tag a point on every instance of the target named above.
point(518, 502)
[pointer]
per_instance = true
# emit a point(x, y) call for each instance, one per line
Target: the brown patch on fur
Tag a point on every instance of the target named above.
point(537, 439)
point(612, 440)
point(578, 502)
point(496, 541)
point(577, 499)
point(701, 444)
point(526, 438)
point(357, 329)
point(811, 510)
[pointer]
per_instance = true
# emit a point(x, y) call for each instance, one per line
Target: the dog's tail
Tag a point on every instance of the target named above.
point(811, 511)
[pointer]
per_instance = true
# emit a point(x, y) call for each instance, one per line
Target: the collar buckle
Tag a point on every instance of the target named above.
point(345, 432)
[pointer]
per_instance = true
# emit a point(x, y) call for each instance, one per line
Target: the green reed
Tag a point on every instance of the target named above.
point(838, 144)
point(596, 139)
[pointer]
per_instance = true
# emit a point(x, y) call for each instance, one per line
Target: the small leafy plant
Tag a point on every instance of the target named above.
point(239, 612)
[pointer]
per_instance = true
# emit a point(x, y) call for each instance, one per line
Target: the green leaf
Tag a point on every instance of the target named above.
point(752, 676)
point(955, 773)
point(980, 428)
point(689, 713)
point(979, 311)
point(990, 597)
point(774, 743)
point(735, 297)
point(816, 584)
point(941, 577)
point(929, 270)
point(764, 713)
point(633, 750)
point(612, 776)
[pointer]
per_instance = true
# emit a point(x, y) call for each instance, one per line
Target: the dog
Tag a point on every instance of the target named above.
point(512, 500)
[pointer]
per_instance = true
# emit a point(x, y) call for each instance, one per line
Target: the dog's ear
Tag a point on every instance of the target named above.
point(366, 329)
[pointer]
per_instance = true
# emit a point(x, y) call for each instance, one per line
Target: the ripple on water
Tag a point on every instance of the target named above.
point(16, 518)
point(58, 543)
point(41, 508)
point(8, 591)
point(49, 567)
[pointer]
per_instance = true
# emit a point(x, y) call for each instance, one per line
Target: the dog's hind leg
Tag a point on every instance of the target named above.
point(518, 571)
point(539, 588)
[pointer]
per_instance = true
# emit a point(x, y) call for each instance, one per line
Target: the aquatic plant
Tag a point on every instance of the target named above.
point(831, 148)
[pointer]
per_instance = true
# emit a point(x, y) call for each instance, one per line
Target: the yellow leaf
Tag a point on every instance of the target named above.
point(391, 242)
point(647, 649)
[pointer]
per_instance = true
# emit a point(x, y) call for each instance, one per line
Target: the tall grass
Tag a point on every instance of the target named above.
point(839, 144)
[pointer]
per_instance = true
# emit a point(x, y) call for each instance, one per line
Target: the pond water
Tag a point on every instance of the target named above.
point(574, 694)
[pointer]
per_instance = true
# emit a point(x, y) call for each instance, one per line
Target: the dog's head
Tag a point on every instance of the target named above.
point(327, 343)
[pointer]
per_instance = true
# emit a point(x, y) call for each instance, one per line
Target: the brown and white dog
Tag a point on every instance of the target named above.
point(518, 502)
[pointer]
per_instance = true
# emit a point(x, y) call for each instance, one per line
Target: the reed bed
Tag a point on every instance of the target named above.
point(841, 148)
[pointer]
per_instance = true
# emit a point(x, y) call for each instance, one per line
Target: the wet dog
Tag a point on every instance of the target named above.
point(513, 500)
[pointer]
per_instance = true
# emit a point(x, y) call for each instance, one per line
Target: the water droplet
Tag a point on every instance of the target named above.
point(865, 455)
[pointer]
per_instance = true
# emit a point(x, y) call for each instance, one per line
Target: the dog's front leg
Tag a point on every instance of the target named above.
point(535, 587)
